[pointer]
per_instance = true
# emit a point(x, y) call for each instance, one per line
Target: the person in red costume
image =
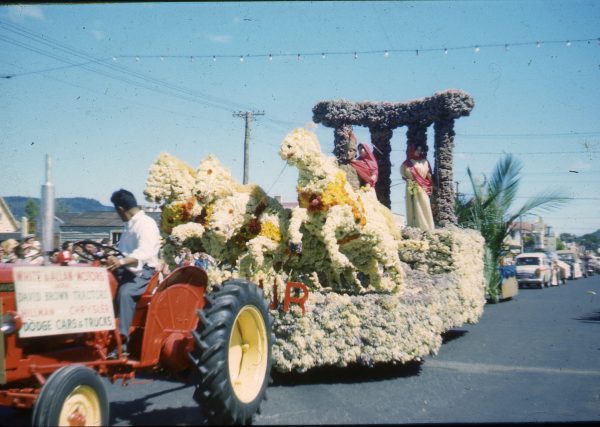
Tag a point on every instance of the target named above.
point(416, 171)
point(366, 165)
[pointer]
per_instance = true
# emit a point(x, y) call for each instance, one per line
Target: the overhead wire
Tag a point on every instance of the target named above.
point(112, 76)
point(355, 53)
point(213, 101)
point(191, 95)
point(527, 135)
point(128, 100)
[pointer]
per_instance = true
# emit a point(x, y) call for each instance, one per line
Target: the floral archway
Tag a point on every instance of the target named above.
point(382, 118)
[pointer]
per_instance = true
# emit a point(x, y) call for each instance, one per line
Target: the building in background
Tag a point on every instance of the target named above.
point(94, 226)
point(531, 237)
point(9, 227)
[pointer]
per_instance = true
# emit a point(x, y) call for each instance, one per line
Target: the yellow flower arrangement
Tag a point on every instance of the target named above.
point(270, 230)
point(177, 213)
point(412, 187)
point(335, 193)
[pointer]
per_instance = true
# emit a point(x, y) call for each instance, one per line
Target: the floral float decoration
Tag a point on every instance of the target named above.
point(372, 292)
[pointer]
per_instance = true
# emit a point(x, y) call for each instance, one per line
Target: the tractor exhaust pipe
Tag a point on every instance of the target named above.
point(47, 212)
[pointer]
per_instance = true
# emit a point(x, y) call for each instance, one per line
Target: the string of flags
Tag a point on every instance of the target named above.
point(357, 53)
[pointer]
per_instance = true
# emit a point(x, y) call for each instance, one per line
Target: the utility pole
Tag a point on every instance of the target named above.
point(247, 115)
point(521, 231)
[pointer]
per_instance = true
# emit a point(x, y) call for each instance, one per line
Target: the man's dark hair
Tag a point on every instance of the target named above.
point(124, 199)
point(65, 245)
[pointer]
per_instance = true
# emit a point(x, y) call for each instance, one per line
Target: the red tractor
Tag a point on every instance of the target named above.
point(221, 340)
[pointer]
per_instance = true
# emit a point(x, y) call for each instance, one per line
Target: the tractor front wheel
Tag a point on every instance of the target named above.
point(73, 395)
point(232, 355)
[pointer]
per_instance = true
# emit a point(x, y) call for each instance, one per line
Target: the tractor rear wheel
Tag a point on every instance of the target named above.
point(232, 355)
point(73, 395)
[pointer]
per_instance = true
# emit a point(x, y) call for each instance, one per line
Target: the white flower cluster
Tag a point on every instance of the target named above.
point(341, 329)
point(429, 251)
point(169, 180)
point(190, 230)
point(214, 181)
point(468, 253)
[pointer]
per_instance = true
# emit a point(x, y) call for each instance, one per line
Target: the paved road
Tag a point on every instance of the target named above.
point(535, 358)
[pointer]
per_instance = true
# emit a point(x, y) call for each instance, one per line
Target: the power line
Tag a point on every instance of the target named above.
point(188, 94)
point(277, 179)
point(177, 113)
point(209, 100)
point(526, 152)
point(27, 73)
point(113, 76)
point(526, 135)
point(357, 53)
point(529, 197)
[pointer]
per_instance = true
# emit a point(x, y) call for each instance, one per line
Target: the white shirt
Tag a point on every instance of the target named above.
point(141, 240)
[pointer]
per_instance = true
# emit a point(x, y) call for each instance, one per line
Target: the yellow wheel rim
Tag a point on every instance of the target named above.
point(81, 408)
point(248, 354)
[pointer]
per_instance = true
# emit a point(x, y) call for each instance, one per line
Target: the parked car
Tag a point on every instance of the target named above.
point(571, 258)
point(533, 269)
point(593, 265)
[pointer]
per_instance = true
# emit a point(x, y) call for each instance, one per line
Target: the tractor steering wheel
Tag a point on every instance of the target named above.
point(100, 251)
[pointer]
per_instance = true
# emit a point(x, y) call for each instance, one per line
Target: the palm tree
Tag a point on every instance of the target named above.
point(489, 210)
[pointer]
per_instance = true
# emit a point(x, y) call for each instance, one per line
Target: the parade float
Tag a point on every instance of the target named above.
point(333, 281)
point(345, 284)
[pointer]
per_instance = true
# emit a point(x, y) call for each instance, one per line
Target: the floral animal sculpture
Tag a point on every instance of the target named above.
point(358, 233)
point(208, 210)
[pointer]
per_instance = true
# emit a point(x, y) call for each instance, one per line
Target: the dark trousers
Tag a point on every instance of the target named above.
point(131, 287)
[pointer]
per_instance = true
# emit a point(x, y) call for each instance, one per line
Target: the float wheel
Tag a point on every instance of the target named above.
point(72, 396)
point(232, 355)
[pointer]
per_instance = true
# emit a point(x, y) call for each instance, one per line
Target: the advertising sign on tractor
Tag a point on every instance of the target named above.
point(63, 300)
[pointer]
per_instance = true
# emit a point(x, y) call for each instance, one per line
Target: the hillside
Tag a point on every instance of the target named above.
point(63, 204)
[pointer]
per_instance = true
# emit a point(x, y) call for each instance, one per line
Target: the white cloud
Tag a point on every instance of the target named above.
point(20, 12)
point(220, 38)
point(98, 35)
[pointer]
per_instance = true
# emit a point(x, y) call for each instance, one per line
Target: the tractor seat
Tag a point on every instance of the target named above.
point(142, 303)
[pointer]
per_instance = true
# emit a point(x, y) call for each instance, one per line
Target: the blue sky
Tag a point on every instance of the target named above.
point(105, 88)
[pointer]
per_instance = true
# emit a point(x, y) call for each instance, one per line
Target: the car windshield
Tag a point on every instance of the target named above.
point(528, 261)
point(566, 257)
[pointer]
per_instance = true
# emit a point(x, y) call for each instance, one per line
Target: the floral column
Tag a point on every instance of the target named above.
point(443, 209)
point(381, 140)
point(416, 133)
point(341, 138)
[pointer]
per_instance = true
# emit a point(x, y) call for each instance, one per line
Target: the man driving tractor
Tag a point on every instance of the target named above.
point(140, 243)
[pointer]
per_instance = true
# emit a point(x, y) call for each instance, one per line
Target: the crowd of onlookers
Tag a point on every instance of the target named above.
point(199, 259)
point(28, 251)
